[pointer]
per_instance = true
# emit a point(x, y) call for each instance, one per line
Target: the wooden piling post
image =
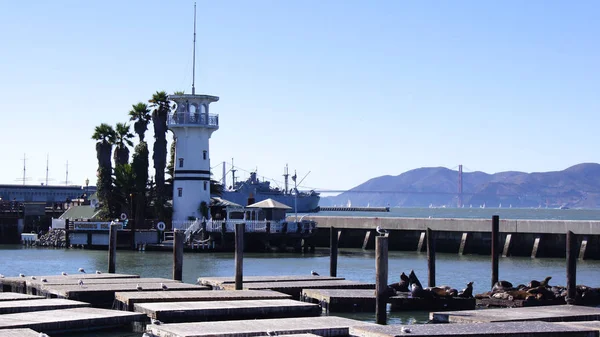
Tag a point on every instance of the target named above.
point(431, 257)
point(239, 254)
point(381, 279)
point(179, 239)
point(495, 247)
point(571, 267)
point(112, 247)
point(333, 251)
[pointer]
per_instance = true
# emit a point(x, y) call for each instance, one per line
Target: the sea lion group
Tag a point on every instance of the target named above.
point(538, 291)
point(411, 284)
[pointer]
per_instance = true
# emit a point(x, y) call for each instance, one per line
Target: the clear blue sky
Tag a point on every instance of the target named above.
point(348, 90)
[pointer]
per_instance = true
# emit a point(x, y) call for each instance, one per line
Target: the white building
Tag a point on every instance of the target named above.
point(192, 125)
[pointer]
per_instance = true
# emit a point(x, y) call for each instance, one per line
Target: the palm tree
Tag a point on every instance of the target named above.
point(105, 137)
point(141, 116)
point(122, 140)
point(160, 109)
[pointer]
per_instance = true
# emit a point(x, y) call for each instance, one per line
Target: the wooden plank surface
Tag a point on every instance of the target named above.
point(503, 329)
point(220, 281)
point(17, 284)
point(65, 320)
point(295, 288)
point(18, 297)
point(10, 307)
point(128, 299)
point(19, 333)
point(37, 286)
point(227, 310)
point(323, 326)
point(554, 313)
point(589, 324)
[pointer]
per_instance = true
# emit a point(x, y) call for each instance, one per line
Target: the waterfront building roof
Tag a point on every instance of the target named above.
point(80, 212)
point(269, 204)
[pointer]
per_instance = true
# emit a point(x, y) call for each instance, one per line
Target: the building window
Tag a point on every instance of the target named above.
point(180, 162)
point(204, 154)
point(205, 183)
point(180, 192)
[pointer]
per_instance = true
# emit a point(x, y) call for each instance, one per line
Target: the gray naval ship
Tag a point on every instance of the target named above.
point(307, 201)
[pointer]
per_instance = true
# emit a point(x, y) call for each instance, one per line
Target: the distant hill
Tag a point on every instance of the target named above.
point(575, 187)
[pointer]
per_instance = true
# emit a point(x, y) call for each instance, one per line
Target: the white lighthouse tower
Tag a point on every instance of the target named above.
point(192, 125)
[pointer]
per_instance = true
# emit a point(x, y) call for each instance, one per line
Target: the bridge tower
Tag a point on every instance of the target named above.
point(460, 186)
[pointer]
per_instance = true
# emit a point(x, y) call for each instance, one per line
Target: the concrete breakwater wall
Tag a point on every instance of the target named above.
point(534, 238)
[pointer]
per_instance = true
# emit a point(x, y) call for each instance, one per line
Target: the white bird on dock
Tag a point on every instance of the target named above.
point(405, 329)
point(43, 335)
point(81, 270)
point(33, 277)
point(63, 273)
point(381, 231)
point(155, 321)
point(138, 287)
point(314, 273)
point(271, 333)
point(163, 286)
point(98, 272)
point(1, 276)
point(80, 282)
point(22, 275)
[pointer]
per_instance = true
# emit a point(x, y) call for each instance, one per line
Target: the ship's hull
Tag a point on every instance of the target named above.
point(306, 203)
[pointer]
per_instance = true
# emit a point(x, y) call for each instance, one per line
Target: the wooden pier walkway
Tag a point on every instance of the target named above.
point(295, 288)
point(219, 282)
point(329, 326)
point(18, 297)
point(504, 329)
point(19, 333)
point(11, 307)
point(170, 312)
point(103, 295)
point(67, 320)
point(356, 300)
point(17, 284)
point(554, 313)
point(35, 287)
point(127, 300)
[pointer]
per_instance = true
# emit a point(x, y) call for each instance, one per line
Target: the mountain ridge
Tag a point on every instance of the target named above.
point(577, 186)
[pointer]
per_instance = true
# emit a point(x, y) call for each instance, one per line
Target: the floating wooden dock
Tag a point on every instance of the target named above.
point(103, 295)
point(219, 282)
point(353, 300)
point(171, 312)
point(499, 303)
point(34, 287)
point(329, 326)
point(554, 313)
point(19, 333)
point(11, 307)
point(295, 288)
point(126, 300)
point(504, 329)
point(68, 320)
point(18, 297)
point(17, 284)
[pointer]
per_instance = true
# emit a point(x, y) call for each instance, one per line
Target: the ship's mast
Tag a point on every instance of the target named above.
point(194, 56)
point(47, 160)
point(285, 178)
point(232, 173)
point(224, 176)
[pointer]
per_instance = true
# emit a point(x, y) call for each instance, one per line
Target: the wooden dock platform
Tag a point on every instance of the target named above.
point(499, 303)
point(11, 307)
point(19, 333)
point(589, 324)
point(171, 312)
point(69, 320)
point(127, 300)
point(328, 326)
point(295, 288)
point(18, 297)
point(554, 313)
point(219, 282)
point(504, 329)
point(103, 295)
point(34, 287)
point(357, 300)
point(17, 284)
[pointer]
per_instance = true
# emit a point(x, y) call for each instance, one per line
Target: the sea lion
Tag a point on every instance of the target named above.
point(412, 279)
point(519, 294)
point(544, 283)
point(437, 291)
point(467, 292)
point(401, 286)
point(502, 285)
point(451, 292)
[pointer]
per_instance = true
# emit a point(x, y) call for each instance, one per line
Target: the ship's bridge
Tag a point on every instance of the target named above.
point(193, 110)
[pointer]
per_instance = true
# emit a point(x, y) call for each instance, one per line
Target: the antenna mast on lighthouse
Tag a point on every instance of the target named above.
point(194, 56)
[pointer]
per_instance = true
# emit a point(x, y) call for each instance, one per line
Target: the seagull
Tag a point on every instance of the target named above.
point(163, 286)
point(271, 333)
point(81, 270)
point(1, 276)
point(155, 321)
point(138, 287)
point(33, 277)
point(80, 282)
point(64, 274)
point(405, 329)
point(381, 231)
point(22, 275)
point(314, 273)
point(44, 280)
point(98, 272)
point(43, 335)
